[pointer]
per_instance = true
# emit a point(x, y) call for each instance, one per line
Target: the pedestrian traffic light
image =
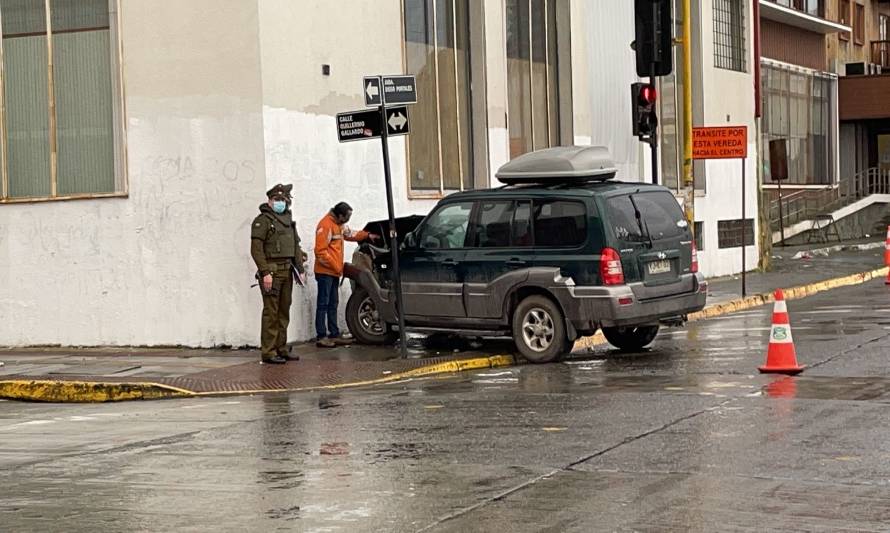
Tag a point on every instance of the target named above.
point(654, 38)
point(645, 121)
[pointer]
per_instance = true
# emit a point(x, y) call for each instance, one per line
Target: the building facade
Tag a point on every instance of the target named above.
point(138, 139)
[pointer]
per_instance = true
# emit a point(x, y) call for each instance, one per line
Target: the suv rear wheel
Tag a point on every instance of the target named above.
point(539, 330)
point(631, 338)
point(364, 321)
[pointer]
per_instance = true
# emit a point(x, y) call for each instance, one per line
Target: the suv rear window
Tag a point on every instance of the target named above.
point(560, 223)
point(659, 211)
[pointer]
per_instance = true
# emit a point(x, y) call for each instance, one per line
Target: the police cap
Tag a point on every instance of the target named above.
point(280, 190)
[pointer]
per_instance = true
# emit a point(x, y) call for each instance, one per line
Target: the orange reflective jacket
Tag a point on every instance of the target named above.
point(329, 237)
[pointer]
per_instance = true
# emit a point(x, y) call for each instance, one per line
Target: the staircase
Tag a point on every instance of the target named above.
point(849, 196)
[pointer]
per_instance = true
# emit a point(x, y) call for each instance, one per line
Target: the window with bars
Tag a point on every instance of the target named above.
point(730, 234)
point(729, 35)
point(60, 127)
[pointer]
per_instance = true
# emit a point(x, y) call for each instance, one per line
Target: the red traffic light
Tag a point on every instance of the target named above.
point(648, 94)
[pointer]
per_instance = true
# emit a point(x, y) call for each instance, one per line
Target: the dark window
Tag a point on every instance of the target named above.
point(560, 223)
point(729, 34)
point(447, 227)
point(522, 224)
point(699, 236)
point(844, 18)
point(493, 229)
point(729, 233)
point(859, 24)
point(660, 216)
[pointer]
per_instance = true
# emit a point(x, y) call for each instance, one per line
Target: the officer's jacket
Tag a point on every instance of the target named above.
point(274, 240)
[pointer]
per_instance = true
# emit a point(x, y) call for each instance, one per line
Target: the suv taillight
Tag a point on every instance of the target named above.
point(610, 267)
point(694, 259)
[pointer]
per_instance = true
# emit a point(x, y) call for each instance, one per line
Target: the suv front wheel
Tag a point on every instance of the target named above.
point(632, 338)
point(364, 320)
point(539, 330)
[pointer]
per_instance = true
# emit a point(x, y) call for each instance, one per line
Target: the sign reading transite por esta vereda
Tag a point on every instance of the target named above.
point(721, 142)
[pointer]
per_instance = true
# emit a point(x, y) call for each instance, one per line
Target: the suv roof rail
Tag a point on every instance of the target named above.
point(559, 165)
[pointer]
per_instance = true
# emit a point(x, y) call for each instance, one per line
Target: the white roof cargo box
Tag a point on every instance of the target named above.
point(559, 164)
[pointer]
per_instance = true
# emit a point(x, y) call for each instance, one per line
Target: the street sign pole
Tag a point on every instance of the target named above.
point(744, 240)
point(393, 236)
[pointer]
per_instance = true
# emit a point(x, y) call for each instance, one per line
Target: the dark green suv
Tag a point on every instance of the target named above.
point(557, 253)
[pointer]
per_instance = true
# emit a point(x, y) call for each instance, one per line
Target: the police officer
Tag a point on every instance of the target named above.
point(275, 248)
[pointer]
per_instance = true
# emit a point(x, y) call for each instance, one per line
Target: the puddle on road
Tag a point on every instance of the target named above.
point(829, 388)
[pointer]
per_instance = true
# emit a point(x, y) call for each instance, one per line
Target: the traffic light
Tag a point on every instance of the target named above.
point(654, 38)
point(645, 121)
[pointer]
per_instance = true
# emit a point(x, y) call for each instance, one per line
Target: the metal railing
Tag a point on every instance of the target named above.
point(880, 54)
point(805, 204)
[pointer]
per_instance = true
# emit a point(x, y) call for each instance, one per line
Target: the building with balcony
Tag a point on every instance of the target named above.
point(824, 94)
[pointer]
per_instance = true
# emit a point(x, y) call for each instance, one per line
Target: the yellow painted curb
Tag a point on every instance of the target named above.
point(86, 391)
point(757, 300)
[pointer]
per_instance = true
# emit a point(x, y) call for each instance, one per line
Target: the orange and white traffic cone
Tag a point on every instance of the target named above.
point(887, 255)
point(781, 358)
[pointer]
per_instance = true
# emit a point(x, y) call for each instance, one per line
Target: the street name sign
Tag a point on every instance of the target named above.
point(720, 142)
point(399, 90)
point(362, 125)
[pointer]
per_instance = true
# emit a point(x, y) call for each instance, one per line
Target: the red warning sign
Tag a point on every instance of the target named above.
point(721, 142)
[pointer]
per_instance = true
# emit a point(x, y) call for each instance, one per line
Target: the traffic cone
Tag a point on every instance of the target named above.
point(781, 357)
point(887, 255)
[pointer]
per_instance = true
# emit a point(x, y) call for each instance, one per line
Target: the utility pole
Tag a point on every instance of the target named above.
point(688, 177)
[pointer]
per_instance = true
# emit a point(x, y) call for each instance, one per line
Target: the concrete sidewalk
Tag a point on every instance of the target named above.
point(109, 374)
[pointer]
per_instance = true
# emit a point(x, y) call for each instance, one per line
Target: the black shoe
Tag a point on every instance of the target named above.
point(276, 360)
point(289, 357)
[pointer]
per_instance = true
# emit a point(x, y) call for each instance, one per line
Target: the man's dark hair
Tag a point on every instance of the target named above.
point(342, 209)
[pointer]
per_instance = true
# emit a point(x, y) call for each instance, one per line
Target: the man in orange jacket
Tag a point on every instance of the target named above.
point(329, 237)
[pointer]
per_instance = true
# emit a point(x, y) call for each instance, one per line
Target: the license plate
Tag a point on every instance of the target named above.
point(659, 267)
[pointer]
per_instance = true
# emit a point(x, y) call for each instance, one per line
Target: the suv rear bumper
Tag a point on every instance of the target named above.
point(588, 308)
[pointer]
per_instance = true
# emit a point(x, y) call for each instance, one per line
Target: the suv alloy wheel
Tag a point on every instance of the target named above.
point(539, 330)
point(364, 321)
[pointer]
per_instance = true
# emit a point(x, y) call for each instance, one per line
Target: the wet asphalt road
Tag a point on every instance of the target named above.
point(686, 436)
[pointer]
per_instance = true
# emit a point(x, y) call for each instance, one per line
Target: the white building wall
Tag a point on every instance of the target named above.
point(299, 108)
point(727, 99)
point(168, 265)
point(603, 68)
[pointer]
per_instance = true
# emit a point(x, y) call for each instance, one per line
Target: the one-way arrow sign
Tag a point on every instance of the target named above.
point(371, 86)
point(361, 125)
point(397, 122)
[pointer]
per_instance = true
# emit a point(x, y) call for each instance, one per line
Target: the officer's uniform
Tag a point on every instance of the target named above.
point(275, 248)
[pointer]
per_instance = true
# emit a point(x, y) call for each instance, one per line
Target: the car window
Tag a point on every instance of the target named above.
point(522, 224)
point(560, 223)
point(493, 227)
point(446, 228)
point(660, 214)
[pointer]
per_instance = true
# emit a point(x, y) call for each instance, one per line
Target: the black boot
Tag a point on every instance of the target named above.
point(274, 360)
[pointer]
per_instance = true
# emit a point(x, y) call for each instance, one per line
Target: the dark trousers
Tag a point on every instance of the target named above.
point(276, 313)
point(327, 304)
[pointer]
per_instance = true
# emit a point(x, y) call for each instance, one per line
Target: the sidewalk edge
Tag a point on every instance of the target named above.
point(99, 392)
point(448, 367)
point(757, 300)
point(86, 391)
